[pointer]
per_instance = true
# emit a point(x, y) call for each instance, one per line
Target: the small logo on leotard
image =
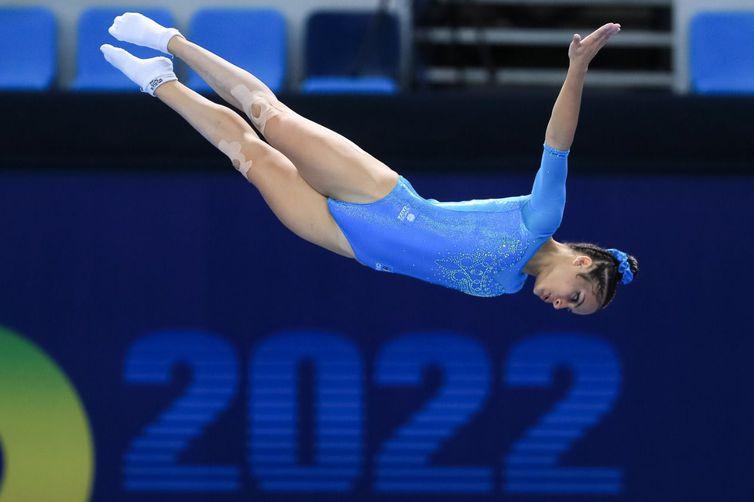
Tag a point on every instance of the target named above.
point(383, 268)
point(406, 214)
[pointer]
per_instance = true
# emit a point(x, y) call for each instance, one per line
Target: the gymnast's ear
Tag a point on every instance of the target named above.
point(582, 261)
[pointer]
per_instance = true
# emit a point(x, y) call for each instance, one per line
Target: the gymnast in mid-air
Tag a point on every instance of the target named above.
point(330, 192)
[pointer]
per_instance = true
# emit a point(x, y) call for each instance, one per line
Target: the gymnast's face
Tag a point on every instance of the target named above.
point(566, 286)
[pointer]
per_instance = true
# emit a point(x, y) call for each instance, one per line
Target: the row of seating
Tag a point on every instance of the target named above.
point(349, 52)
point(344, 51)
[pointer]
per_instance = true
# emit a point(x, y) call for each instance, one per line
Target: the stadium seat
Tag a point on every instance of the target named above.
point(93, 72)
point(28, 48)
point(722, 52)
point(254, 39)
point(351, 52)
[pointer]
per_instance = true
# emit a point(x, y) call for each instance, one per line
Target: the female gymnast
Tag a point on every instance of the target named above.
point(329, 192)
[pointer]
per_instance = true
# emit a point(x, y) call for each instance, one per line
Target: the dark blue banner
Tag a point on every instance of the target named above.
point(166, 338)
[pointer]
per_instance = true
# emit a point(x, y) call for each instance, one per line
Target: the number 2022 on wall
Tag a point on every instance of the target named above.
point(402, 464)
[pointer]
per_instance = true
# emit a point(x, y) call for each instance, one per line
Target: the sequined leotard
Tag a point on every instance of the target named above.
point(479, 247)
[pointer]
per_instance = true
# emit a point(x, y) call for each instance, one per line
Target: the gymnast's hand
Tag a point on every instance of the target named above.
point(581, 52)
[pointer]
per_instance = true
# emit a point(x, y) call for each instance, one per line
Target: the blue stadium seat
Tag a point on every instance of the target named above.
point(253, 39)
point(352, 52)
point(93, 72)
point(722, 52)
point(28, 48)
point(350, 85)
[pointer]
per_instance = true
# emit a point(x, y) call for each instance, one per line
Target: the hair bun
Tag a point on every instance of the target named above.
point(611, 267)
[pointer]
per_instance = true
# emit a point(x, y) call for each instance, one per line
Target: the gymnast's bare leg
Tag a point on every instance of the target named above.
point(301, 208)
point(330, 163)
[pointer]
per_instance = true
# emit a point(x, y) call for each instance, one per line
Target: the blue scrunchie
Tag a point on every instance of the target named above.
point(624, 268)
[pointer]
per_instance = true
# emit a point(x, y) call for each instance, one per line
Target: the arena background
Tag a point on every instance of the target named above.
point(165, 338)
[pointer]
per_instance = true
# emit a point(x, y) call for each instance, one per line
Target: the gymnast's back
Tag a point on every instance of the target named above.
point(478, 247)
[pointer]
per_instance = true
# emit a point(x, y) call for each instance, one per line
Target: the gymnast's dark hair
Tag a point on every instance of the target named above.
point(605, 275)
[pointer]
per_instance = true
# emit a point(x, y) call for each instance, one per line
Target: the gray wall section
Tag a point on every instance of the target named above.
point(295, 12)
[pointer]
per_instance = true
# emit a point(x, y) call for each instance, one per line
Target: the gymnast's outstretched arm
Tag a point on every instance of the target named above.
point(565, 113)
point(544, 211)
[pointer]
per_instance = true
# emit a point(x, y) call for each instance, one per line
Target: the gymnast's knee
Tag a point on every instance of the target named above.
point(239, 154)
point(262, 107)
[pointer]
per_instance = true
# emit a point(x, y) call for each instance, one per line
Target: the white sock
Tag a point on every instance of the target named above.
point(148, 74)
point(138, 29)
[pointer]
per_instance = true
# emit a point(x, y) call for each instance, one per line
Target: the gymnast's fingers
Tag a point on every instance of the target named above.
point(603, 33)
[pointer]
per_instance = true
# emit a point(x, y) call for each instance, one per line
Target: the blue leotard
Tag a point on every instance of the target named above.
point(479, 247)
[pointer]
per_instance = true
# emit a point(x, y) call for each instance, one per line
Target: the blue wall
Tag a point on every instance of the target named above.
point(213, 350)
